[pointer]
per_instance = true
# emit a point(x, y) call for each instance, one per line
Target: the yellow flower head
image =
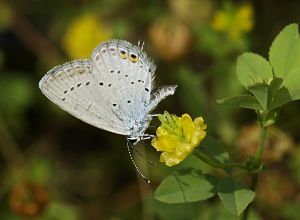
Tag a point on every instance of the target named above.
point(177, 137)
point(83, 35)
point(234, 21)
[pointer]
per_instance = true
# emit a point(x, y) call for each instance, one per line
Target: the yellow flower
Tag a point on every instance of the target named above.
point(233, 21)
point(83, 35)
point(177, 137)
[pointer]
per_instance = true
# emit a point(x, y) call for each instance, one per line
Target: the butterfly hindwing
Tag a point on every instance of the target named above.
point(72, 86)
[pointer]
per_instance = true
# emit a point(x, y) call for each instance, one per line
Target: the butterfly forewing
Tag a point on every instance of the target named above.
point(129, 78)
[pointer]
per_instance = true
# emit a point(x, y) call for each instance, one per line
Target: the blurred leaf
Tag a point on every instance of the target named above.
point(192, 92)
point(294, 93)
point(252, 68)
point(174, 211)
point(213, 149)
point(219, 212)
point(274, 86)
point(234, 196)
point(121, 29)
point(290, 211)
point(59, 211)
point(211, 41)
point(192, 162)
point(291, 81)
point(284, 96)
point(242, 101)
point(40, 171)
point(261, 93)
point(284, 54)
point(18, 91)
point(225, 80)
point(187, 187)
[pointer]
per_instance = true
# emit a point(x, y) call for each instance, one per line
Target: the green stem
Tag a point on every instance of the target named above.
point(260, 147)
point(236, 165)
point(217, 164)
point(206, 159)
point(258, 156)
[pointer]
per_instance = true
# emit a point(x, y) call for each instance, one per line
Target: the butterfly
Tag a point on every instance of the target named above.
point(113, 90)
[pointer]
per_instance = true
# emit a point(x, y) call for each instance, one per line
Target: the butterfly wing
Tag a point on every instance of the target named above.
point(74, 88)
point(111, 91)
point(130, 78)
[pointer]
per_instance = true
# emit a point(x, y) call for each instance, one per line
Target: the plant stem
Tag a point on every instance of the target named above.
point(261, 144)
point(258, 156)
point(206, 159)
point(217, 164)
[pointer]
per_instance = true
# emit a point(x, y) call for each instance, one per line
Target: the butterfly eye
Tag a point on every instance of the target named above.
point(133, 58)
point(123, 54)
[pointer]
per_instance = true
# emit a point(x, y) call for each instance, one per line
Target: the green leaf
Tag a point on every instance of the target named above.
point(186, 187)
point(284, 54)
point(252, 69)
point(295, 94)
point(261, 93)
point(274, 86)
point(292, 80)
point(242, 101)
point(216, 211)
point(234, 195)
point(213, 149)
point(284, 96)
point(177, 211)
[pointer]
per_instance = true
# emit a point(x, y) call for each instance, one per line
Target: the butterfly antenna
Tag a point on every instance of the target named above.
point(134, 164)
point(142, 47)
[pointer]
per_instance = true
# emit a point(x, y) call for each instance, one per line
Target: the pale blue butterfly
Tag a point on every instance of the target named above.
point(112, 91)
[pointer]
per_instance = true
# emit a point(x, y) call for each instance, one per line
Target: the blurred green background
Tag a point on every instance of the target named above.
point(55, 167)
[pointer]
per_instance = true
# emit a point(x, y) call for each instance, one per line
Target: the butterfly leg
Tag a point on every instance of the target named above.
point(147, 136)
point(153, 115)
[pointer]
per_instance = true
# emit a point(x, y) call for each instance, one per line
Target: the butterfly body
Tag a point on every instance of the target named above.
point(112, 91)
